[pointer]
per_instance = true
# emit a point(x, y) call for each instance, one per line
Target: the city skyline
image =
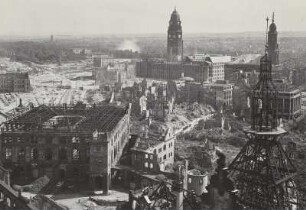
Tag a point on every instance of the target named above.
point(33, 17)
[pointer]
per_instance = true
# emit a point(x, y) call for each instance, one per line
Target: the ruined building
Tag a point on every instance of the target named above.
point(273, 52)
point(154, 149)
point(262, 172)
point(174, 39)
point(76, 143)
point(14, 82)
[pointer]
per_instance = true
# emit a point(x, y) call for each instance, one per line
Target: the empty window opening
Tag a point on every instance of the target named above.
point(21, 155)
point(75, 154)
point(34, 154)
point(8, 153)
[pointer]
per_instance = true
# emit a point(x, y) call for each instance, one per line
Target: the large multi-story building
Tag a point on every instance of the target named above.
point(223, 92)
point(289, 100)
point(216, 64)
point(14, 82)
point(68, 143)
point(173, 70)
point(174, 39)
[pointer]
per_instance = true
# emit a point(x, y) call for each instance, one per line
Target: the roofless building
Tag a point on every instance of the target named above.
point(76, 143)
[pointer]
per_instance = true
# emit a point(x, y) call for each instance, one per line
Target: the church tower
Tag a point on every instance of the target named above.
point(262, 172)
point(273, 51)
point(174, 40)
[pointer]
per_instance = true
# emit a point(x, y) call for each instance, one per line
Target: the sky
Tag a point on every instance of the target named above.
point(98, 17)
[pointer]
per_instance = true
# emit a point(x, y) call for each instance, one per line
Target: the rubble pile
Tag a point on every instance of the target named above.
point(38, 184)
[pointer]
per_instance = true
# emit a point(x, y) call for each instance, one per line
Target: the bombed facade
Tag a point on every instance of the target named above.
point(63, 142)
point(14, 82)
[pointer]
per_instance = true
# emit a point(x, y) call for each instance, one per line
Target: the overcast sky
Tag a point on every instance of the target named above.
point(95, 17)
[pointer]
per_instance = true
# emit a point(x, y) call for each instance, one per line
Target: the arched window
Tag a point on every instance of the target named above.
point(21, 154)
point(62, 154)
point(75, 154)
point(48, 154)
point(34, 154)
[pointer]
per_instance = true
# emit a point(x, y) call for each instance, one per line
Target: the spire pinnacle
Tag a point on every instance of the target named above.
point(266, 46)
point(273, 17)
point(174, 8)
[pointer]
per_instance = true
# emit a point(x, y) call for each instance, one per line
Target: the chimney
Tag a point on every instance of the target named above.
point(20, 102)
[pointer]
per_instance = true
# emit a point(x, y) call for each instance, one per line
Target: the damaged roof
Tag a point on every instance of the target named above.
point(102, 118)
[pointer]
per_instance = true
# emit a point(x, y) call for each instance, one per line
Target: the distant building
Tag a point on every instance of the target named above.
point(273, 51)
point(192, 92)
point(154, 148)
point(82, 51)
point(14, 82)
point(299, 77)
point(101, 61)
point(155, 100)
point(216, 71)
point(111, 75)
point(289, 100)
point(216, 67)
point(231, 70)
point(223, 92)
point(65, 143)
point(162, 70)
point(174, 39)
point(213, 58)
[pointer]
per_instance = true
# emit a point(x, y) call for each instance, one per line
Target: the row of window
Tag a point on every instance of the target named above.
point(164, 147)
point(147, 156)
point(165, 156)
point(35, 140)
point(47, 154)
point(146, 165)
point(200, 181)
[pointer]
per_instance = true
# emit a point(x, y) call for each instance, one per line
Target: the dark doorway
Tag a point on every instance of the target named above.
point(75, 173)
point(99, 182)
point(18, 175)
point(62, 174)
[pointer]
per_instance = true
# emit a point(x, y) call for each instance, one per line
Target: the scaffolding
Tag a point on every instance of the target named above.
point(262, 172)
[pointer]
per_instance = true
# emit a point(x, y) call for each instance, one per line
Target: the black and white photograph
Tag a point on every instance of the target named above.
point(152, 104)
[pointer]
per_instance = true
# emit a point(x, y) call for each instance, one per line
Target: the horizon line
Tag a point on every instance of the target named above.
point(141, 34)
